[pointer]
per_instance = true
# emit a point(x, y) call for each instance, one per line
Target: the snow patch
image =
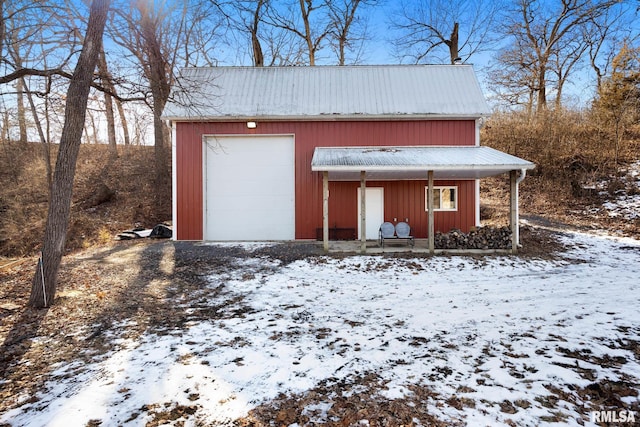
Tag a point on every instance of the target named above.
point(494, 330)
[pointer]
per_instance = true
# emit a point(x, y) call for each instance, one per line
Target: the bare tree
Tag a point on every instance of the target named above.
point(552, 31)
point(124, 121)
point(617, 104)
point(40, 40)
point(20, 95)
point(445, 30)
point(348, 27)
point(44, 140)
point(106, 79)
point(256, 46)
point(250, 28)
point(159, 72)
point(45, 279)
point(513, 78)
point(159, 38)
point(245, 17)
point(562, 63)
point(149, 34)
point(110, 98)
point(2, 25)
point(306, 19)
point(604, 34)
point(20, 30)
point(24, 27)
point(22, 111)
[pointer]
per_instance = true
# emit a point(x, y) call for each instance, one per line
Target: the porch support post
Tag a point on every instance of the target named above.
point(363, 212)
point(431, 231)
point(513, 210)
point(325, 211)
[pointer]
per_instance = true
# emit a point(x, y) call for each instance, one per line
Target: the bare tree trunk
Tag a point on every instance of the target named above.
point(159, 89)
point(111, 126)
point(43, 288)
point(258, 56)
point(6, 137)
point(107, 83)
point(343, 16)
point(160, 157)
point(20, 86)
point(157, 70)
point(22, 111)
point(43, 139)
point(94, 128)
point(105, 78)
point(123, 122)
point(307, 32)
point(453, 44)
point(558, 101)
point(542, 89)
point(2, 25)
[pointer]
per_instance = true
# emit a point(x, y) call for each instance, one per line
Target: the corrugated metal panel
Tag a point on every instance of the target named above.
point(326, 92)
point(308, 193)
point(394, 162)
point(403, 200)
point(189, 183)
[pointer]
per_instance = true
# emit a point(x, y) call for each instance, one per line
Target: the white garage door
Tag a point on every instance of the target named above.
point(249, 188)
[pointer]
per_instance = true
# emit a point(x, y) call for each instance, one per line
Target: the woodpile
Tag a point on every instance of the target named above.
point(478, 238)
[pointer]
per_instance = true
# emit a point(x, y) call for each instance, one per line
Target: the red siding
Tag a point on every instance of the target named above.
point(189, 188)
point(403, 199)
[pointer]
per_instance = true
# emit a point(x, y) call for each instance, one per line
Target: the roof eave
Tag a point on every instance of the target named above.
point(418, 168)
point(328, 117)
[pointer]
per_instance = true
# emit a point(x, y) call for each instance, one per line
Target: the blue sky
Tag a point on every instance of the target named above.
point(379, 49)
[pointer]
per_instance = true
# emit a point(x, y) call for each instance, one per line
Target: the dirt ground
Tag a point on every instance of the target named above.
point(129, 281)
point(99, 288)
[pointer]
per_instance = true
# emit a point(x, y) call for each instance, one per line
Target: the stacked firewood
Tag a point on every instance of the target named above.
point(478, 238)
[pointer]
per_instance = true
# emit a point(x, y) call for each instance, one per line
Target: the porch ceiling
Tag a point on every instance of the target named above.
point(400, 163)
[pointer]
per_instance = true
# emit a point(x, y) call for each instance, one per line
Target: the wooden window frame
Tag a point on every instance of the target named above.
point(437, 192)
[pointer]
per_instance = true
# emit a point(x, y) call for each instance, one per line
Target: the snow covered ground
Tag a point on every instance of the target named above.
point(623, 204)
point(502, 340)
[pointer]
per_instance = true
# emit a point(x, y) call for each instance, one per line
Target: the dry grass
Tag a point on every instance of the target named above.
point(570, 150)
point(572, 153)
point(108, 196)
point(561, 143)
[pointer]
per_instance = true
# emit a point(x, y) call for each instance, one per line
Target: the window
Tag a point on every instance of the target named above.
point(444, 198)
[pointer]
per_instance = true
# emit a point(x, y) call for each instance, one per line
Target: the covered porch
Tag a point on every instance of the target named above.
point(421, 246)
point(430, 163)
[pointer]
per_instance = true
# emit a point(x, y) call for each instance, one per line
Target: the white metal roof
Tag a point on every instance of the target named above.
point(390, 162)
point(327, 92)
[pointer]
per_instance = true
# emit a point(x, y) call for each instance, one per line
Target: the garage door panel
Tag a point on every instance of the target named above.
point(250, 188)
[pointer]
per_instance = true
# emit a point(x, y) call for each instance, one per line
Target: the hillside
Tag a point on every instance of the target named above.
point(611, 204)
point(108, 196)
point(584, 176)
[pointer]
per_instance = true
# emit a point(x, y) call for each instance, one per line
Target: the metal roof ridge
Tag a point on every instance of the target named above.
point(293, 67)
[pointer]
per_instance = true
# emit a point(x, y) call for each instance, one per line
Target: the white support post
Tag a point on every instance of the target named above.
point(325, 211)
point(363, 212)
point(174, 183)
point(431, 232)
point(513, 211)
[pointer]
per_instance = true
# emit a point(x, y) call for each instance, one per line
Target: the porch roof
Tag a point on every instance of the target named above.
point(398, 163)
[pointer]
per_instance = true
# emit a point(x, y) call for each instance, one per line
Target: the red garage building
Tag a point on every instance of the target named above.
point(258, 150)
